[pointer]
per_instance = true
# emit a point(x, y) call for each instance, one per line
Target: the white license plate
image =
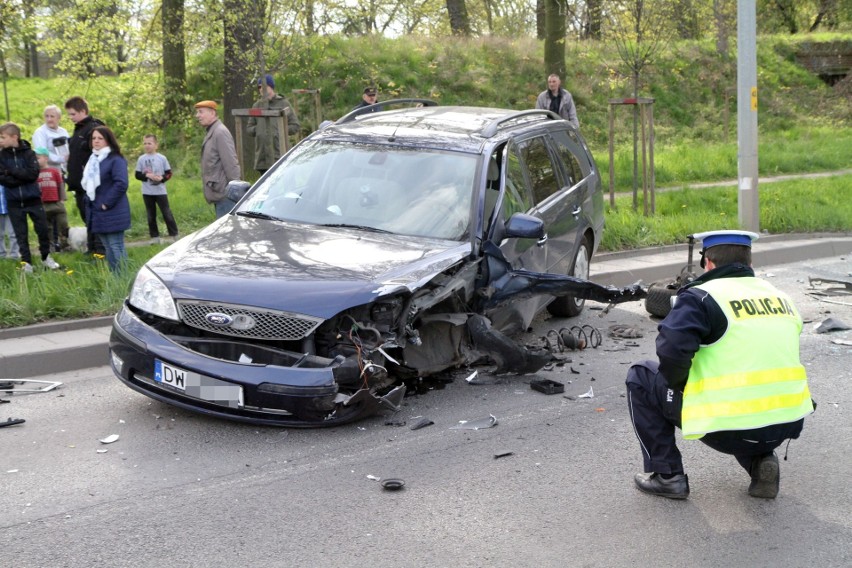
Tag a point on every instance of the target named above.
point(198, 386)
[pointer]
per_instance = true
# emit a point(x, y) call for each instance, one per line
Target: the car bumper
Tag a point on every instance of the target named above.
point(285, 393)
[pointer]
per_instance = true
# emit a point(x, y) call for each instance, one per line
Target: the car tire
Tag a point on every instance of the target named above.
point(569, 306)
point(658, 302)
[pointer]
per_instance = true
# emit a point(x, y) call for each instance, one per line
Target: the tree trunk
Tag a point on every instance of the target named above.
point(594, 19)
point(540, 17)
point(459, 21)
point(787, 11)
point(309, 18)
point(241, 18)
point(554, 40)
point(722, 31)
point(174, 61)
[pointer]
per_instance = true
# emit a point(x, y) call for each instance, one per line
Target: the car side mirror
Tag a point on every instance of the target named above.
point(236, 189)
point(523, 226)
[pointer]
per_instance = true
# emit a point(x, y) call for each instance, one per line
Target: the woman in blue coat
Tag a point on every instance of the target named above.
point(107, 207)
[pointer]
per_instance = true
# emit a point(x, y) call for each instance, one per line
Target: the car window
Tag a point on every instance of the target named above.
point(567, 149)
point(516, 198)
point(540, 167)
point(407, 191)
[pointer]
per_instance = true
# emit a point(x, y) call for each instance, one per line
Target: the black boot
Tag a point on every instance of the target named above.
point(675, 488)
point(765, 476)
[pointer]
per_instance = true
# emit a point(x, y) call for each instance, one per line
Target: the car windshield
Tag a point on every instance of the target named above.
point(406, 191)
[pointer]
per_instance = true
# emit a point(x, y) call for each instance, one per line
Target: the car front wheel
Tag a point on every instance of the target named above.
point(569, 306)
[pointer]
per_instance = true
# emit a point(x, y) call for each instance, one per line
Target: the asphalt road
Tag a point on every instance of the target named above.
point(179, 489)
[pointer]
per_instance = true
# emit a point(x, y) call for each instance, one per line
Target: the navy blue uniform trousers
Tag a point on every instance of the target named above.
point(655, 413)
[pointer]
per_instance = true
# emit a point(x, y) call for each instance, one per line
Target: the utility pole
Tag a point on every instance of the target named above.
point(748, 200)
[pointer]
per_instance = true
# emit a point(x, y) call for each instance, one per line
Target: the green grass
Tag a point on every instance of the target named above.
point(683, 212)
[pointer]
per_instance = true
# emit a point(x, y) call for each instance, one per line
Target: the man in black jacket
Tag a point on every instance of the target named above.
point(78, 154)
point(19, 171)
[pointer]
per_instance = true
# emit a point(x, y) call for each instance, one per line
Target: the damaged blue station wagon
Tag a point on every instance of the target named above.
point(383, 248)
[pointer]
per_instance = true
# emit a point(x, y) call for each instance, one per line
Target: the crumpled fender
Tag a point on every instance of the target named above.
point(510, 284)
point(510, 356)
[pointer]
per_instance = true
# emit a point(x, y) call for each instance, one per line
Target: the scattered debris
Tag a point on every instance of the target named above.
point(374, 477)
point(12, 422)
point(471, 377)
point(422, 423)
point(589, 394)
point(830, 324)
point(102, 451)
point(395, 423)
point(109, 439)
point(622, 331)
point(393, 484)
point(15, 386)
point(499, 455)
point(547, 386)
point(479, 424)
point(841, 342)
point(844, 290)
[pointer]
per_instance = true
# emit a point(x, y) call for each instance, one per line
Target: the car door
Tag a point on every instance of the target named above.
point(556, 199)
point(580, 203)
point(530, 254)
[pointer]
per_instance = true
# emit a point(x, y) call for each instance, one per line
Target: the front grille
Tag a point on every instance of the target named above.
point(268, 324)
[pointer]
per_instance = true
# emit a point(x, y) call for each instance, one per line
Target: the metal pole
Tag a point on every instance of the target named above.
point(748, 201)
point(611, 158)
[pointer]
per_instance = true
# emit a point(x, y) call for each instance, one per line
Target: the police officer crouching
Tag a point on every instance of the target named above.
point(728, 374)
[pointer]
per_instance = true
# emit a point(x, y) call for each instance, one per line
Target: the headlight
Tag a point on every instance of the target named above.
point(151, 295)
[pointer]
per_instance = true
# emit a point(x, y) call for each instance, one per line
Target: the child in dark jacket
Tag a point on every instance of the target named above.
point(19, 175)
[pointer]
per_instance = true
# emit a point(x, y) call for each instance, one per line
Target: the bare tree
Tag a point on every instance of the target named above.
point(639, 31)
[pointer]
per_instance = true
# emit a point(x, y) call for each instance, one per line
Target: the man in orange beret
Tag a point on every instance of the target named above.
point(219, 163)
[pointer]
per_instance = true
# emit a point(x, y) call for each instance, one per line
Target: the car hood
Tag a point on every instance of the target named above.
point(306, 269)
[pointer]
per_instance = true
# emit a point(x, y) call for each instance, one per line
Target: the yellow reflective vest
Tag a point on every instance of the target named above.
point(751, 377)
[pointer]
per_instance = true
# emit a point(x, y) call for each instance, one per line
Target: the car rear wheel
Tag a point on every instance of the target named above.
point(569, 306)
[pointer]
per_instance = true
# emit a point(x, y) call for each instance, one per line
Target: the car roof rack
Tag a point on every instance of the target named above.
point(352, 115)
point(494, 126)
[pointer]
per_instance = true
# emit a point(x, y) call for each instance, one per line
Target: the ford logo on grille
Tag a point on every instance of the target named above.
point(217, 319)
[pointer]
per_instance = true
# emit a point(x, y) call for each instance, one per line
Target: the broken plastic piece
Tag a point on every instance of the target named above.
point(109, 439)
point(102, 451)
point(471, 376)
point(422, 423)
point(502, 454)
point(12, 422)
point(14, 386)
point(830, 324)
point(393, 484)
point(589, 394)
point(547, 386)
point(374, 477)
point(479, 424)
